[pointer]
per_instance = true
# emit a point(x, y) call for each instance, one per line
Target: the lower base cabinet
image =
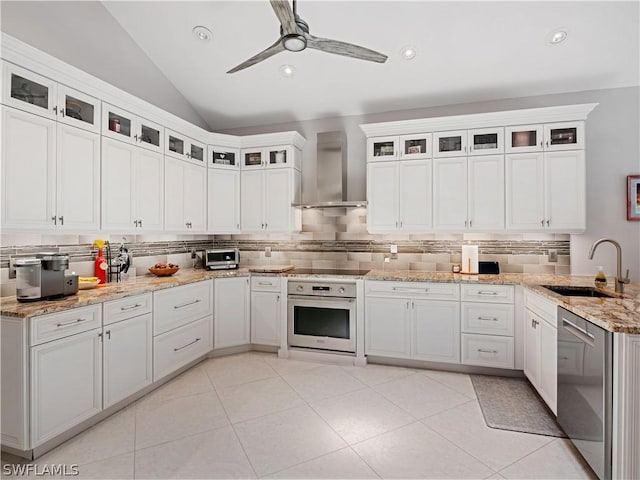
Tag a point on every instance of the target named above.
point(174, 349)
point(265, 318)
point(436, 330)
point(232, 322)
point(387, 327)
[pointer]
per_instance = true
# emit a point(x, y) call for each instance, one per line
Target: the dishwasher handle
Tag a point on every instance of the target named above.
point(578, 332)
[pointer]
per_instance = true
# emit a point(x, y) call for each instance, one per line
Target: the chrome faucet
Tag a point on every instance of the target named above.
point(619, 280)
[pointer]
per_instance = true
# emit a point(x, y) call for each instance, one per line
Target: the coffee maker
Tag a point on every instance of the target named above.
point(44, 277)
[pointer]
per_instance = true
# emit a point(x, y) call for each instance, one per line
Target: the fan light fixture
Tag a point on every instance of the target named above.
point(202, 33)
point(294, 42)
point(287, 71)
point(408, 52)
point(557, 36)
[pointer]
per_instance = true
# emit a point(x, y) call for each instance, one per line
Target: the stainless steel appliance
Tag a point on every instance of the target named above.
point(44, 277)
point(222, 259)
point(585, 388)
point(322, 314)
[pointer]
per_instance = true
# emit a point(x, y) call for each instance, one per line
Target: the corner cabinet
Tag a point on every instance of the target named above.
point(504, 173)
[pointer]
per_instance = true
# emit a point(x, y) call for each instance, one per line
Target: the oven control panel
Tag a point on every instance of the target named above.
point(318, 289)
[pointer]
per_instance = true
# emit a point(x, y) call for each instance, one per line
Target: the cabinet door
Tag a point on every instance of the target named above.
point(415, 196)
point(231, 321)
point(278, 157)
point(78, 110)
point(486, 192)
point(28, 91)
point(223, 201)
point(176, 145)
point(532, 347)
point(436, 330)
point(548, 386)
point(387, 327)
point(149, 177)
point(383, 197)
point(450, 144)
point(118, 123)
point(195, 200)
point(524, 191)
point(486, 141)
point(277, 200)
point(222, 157)
point(118, 196)
point(174, 218)
point(565, 190)
point(417, 146)
point(28, 170)
point(450, 193)
point(251, 205)
point(196, 152)
point(66, 384)
point(149, 135)
point(252, 158)
point(78, 186)
point(564, 136)
point(265, 318)
point(382, 148)
point(127, 358)
point(523, 139)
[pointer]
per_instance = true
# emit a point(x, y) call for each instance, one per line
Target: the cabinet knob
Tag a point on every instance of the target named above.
point(299, 288)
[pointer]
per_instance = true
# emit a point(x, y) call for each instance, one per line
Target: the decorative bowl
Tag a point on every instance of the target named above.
point(164, 272)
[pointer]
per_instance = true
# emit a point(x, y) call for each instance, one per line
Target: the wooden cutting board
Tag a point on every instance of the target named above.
point(272, 268)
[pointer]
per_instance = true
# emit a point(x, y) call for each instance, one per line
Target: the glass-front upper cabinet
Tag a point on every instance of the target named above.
point(280, 156)
point(117, 123)
point(184, 148)
point(486, 141)
point(416, 146)
point(564, 136)
point(252, 158)
point(28, 91)
point(196, 152)
point(148, 134)
point(383, 148)
point(524, 138)
point(450, 144)
point(222, 157)
point(77, 109)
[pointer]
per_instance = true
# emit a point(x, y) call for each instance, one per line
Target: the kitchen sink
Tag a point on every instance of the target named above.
point(570, 291)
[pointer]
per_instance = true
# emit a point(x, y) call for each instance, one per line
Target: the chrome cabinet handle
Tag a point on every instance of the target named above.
point(55, 109)
point(135, 222)
point(486, 292)
point(263, 225)
point(547, 143)
point(409, 289)
point(266, 225)
point(265, 283)
point(400, 223)
point(55, 220)
point(61, 220)
point(542, 222)
point(407, 304)
point(130, 307)
point(185, 346)
point(62, 112)
point(480, 350)
point(396, 224)
point(489, 319)
point(541, 144)
point(135, 137)
point(72, 322)
point(567, 323)
point(470, 223)
point(548, 222)
point(466, 223)
point(140, 222)
point(109, 334)
point(182, 305)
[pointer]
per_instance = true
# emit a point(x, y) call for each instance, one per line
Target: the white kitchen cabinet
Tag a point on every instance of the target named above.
point(546, 191)
point(127, 127)
point(548, 137)
point(399, 196)
point(185, 196)
point(66, 384)
point(132, 188)
point(223, 157)
point(548, 381)
point(450, 193)
point(266, 310)
point(266, 199)
point(387, 327)
point(279, 156)
point(50, 173)
point(486, 192)
point(232, 318)
point(177, 347)
point(177, 306)
point(223, 205)
point(78, 109)
point(127, 357)
point(183, 147)
point(435, 330)
point(485, 141)
point(532, 346)
point(417, 146)
point(450, 144)
point(383, 148)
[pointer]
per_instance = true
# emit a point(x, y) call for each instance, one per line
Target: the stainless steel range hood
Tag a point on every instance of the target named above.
point(331, 173)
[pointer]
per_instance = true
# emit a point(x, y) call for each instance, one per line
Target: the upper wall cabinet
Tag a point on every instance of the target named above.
point(184, 148)
point(548, 137)
point(223, 157)
point(450, 144)
point(404, 147)
point(280, 156)
point(33, 93)
point(486, 141)
point(383, 148)
point(127, 127)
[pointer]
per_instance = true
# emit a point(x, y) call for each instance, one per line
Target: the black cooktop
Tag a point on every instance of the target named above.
point(329, 271)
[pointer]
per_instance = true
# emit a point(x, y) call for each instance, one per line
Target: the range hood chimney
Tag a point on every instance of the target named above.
point(331, 172)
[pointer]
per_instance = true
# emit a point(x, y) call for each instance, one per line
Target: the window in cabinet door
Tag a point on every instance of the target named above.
point(384, 149)
point(150, 135)
point(563, 136)
point(450, 144)
point(176, 145)
point(253, 159)
point(227, 158)
point(524, 138)
point(79, 109)
point(197, 153)
point(119, 124)
point(414, 146)
point(277, 156)
point(29, 91)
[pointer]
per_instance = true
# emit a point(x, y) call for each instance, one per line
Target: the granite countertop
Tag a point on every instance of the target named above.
point(621, 315)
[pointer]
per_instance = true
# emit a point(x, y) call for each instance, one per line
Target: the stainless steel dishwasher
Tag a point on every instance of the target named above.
point(585, 388)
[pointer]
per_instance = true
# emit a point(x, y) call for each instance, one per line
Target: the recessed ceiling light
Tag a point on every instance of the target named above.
point(557, 36)
point(408, 52)
point(202, 33)
point(287, 71)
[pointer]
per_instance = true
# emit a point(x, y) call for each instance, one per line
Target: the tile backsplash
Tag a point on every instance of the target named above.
point(330, 238)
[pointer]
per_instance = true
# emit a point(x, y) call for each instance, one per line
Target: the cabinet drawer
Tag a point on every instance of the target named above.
point(487, 318)
point(178, 347)
point(59, 325)
point(487, 350)
point(435, 291)
point(125, 308)
point(265, 284)
point(547, 309)
point(178, 306)
point(488, 293)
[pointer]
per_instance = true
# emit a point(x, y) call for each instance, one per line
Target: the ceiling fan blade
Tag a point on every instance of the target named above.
point(263, 55)
point(285, 16)
point(346, 49)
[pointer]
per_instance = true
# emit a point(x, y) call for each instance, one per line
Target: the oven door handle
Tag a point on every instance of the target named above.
point(320, 298)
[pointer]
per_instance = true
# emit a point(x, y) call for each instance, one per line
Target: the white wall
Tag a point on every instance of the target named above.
point(107, 51)
point(613, 152)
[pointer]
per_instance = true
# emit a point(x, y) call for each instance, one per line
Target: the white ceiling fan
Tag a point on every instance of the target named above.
point(295, 37)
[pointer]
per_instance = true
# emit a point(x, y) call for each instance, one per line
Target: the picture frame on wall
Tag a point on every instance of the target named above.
point(633, 198)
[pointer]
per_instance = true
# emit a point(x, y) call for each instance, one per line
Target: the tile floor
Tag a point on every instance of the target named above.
point(255, 415)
